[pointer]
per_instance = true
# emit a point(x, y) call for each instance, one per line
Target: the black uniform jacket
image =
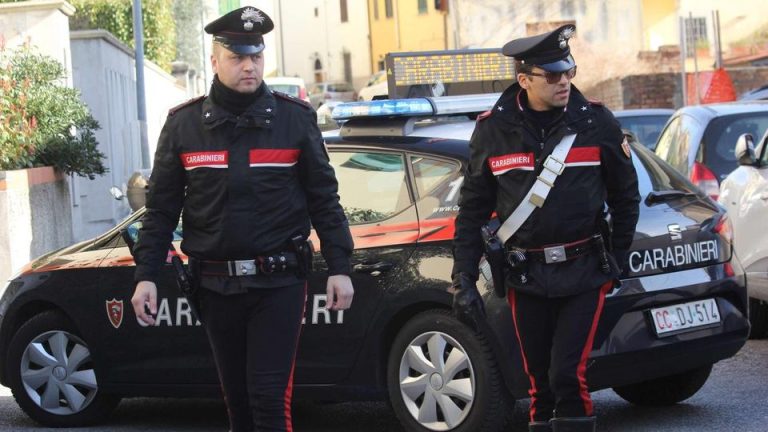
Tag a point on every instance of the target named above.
point(507, 150)
point(246, 183)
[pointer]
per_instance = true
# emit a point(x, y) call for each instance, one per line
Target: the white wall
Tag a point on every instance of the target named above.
point(41, 24)
point(104, 73)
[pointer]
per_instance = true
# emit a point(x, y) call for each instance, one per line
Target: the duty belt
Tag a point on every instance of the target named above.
point(266, 264)
point(564, 252)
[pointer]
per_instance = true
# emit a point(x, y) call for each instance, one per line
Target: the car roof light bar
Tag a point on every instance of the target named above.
point(414, 107)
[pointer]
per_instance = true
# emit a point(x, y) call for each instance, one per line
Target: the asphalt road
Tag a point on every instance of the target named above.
point(734, 399)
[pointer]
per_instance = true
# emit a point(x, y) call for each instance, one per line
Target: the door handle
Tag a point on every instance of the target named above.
point(378, 267)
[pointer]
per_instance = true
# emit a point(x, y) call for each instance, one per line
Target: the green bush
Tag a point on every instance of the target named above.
point(42, 122)
point(116, 16)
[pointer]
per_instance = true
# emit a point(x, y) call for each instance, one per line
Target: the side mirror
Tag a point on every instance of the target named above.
point(745, 150)
point(130, 234)
point(116, 193)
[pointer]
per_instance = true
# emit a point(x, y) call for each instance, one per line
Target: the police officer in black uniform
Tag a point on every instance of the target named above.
point(557, 270)
point(249, 169)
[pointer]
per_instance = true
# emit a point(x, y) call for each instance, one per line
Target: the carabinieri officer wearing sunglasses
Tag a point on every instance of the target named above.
point(249, 169)
point(547, 161)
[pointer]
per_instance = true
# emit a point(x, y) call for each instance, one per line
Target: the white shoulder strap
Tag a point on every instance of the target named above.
point(553, 167)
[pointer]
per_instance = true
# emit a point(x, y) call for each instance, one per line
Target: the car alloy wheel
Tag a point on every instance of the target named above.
point(437, 381)
point(52, 376)
point(57, 373)
point(442, 376)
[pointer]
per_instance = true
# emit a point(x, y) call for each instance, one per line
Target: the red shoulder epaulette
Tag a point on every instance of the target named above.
point(288, 97)
point(173, 110)
point(484, 115)
point(595, 102)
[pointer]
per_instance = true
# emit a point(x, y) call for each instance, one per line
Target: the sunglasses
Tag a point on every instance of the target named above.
point(554, 77)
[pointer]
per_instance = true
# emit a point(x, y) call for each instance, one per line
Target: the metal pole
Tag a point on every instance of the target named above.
point(695, 65)
point(204, 59)
point(718, 41)
point(141, 104)
point(683, 55)
point(282, 41)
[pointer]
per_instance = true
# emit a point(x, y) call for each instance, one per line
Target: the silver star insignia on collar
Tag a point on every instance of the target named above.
point(501, 108)
point(207, 115)
point(584, 108)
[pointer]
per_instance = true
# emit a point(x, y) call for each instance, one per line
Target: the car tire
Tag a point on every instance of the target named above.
point(463, 392)
point(51, 374)
point(758, 318)
point(667, 390)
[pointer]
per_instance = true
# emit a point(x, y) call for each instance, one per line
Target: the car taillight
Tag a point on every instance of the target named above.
point(327, 95)
point(723, 228)
point(705, 179)
point(302, 93)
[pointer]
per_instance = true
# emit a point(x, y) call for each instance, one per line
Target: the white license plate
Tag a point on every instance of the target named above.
point(670, 319)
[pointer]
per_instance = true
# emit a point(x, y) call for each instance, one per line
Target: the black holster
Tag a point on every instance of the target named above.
point(187, 285)
point(494, 254)
point(305, 251)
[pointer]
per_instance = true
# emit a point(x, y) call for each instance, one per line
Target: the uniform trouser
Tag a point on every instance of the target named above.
point(254, 337)
point(556, 337)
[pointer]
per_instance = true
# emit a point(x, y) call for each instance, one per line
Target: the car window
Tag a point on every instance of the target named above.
point(645, 128)
point(372, 185)
point(721, 135)
point(339, 87)
point(290, 89)
point(653, 175)
point(764, 150)
point(675, 142)
point(431, 173)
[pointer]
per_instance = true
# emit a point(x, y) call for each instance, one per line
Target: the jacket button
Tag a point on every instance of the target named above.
point(267, 121)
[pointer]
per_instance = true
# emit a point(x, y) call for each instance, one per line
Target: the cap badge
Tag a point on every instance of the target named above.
point(249, 16)
point(566, 34)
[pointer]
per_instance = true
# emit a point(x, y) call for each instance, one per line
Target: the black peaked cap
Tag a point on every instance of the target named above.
point(549, 51)
point(241, 30)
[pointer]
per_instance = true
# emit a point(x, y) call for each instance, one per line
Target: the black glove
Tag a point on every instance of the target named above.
point(467, 304)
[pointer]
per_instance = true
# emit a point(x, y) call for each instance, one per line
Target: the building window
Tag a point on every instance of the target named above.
point(376, 9)
point(317, 13)
point(422, 7)
point(343, 7)
point(695, 34)
point(388, 8)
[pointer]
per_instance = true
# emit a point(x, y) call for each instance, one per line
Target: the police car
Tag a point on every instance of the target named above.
point(70, 346)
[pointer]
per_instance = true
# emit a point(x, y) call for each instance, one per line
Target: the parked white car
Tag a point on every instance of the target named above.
point(744, 193)
point(376, 86)
point(324, 92)
point(293, 86)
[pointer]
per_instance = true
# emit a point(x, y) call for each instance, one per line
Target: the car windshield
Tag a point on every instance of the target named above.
point(720, 139)
point(645, 128)
point(290, 89)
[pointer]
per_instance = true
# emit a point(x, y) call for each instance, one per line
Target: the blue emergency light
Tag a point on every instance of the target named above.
point(416, 107)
